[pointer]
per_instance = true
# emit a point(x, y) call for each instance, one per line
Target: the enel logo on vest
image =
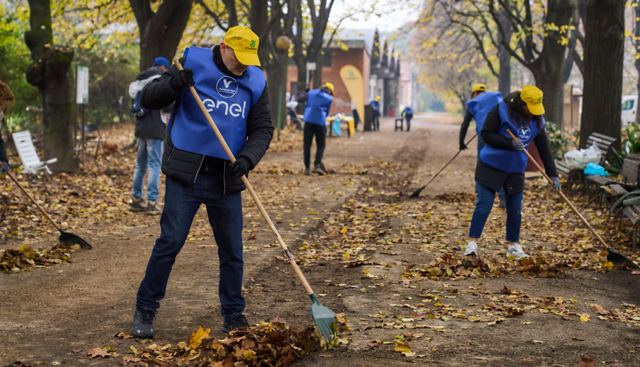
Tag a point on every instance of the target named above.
point(227, 87)
point(235, 109)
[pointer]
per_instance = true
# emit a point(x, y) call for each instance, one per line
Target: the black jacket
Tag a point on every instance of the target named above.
point(184, 166)
point(3, 150)
point(494, 178)
point(150, 126)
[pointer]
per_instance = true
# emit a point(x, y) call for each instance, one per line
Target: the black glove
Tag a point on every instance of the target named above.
point(463, 146)
point(183, 79)
point(556, 183)
point(241, 167)
point(517, 144)
point(4, 168)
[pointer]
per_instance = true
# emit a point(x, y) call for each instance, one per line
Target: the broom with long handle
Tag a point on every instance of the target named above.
point(614, 257)
point(418, 191)
point(324, 317)
point(66, 238)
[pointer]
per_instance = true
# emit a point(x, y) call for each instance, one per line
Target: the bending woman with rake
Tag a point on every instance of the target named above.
point(502, 163)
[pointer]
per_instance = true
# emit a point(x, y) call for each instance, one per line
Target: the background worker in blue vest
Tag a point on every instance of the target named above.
point(315, 121)
point(477, 108)
point(407, 113)
point(376, 113)
point(502, 163)
point(198, 170)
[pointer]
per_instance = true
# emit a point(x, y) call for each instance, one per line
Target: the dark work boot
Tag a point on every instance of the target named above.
point(143, 323)
point(152, 208)
point(317, 169)
point(236, 322)
point(307, 172)
point(137, 205)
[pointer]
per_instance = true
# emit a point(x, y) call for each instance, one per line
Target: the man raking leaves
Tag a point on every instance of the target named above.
point(197, 166)
point(197, 169)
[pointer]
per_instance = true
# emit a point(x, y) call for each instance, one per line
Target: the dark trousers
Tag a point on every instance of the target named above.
point(225, 216)
point(408, 118)
point(319, 131)
point(376, 122)
point(356, 119)
point(483, 209)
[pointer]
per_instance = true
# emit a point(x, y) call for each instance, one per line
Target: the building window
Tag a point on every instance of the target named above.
point(326, 59)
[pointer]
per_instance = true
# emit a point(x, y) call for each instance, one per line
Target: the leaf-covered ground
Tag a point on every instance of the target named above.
point(391, 264)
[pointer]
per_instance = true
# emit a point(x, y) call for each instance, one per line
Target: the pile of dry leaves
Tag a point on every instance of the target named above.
point(26, 258)
point(272, 343)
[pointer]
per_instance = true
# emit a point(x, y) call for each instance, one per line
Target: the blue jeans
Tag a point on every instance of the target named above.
point(481, 145)
point(225, 216)
point(149, 156)
point(483, 208)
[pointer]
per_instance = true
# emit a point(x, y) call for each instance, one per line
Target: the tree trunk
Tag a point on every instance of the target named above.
point(260, 26)
point(277, 77)
point(160, 31)
point(637, 63)
point(603, 62)
point(547, 69)
point(50, 72)
point(504, 78)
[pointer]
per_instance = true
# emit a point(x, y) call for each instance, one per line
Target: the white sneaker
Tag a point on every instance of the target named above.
point(472, 249)
point(516, 251)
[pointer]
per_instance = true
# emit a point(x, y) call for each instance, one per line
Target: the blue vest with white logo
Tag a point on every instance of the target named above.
point(228, 101)
point(510, 161)
point(480, 107)
point(318, 104)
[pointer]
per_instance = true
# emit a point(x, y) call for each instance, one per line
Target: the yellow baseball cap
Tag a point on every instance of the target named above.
point(244, 43)
point(478, 88)
point(378, 99)
point(532, 96)
point(329, 86)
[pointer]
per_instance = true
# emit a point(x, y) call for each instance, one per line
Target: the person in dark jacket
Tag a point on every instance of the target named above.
point(407, 113)
point(502, 163)
point(376, 113)
point(149, 132)
point(315, 118)
point(198, 171)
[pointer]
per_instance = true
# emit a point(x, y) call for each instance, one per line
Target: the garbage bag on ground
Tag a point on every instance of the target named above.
point(595, 169)
point(580, 158)
point(336, 127)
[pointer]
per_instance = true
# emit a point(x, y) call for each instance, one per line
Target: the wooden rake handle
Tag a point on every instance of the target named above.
point(248, 185)
point(450, 160)
point(584, 220)
point(32, 199)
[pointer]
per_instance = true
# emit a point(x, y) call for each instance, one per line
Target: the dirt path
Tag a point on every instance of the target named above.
point(47, 314)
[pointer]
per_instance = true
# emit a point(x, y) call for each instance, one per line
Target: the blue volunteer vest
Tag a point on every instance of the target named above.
point(228, 101)
point(510, 161)
point(318, 104)
point(480, 107)
point(408, 111)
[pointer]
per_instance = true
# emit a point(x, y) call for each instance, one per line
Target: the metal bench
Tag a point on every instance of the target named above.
point(608, 188)
point(633, 214)
point(572, 175)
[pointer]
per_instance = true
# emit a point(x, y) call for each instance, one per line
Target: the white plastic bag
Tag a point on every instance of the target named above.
point(580, 158)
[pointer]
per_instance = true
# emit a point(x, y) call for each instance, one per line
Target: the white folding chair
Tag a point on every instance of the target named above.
point(30, 160)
